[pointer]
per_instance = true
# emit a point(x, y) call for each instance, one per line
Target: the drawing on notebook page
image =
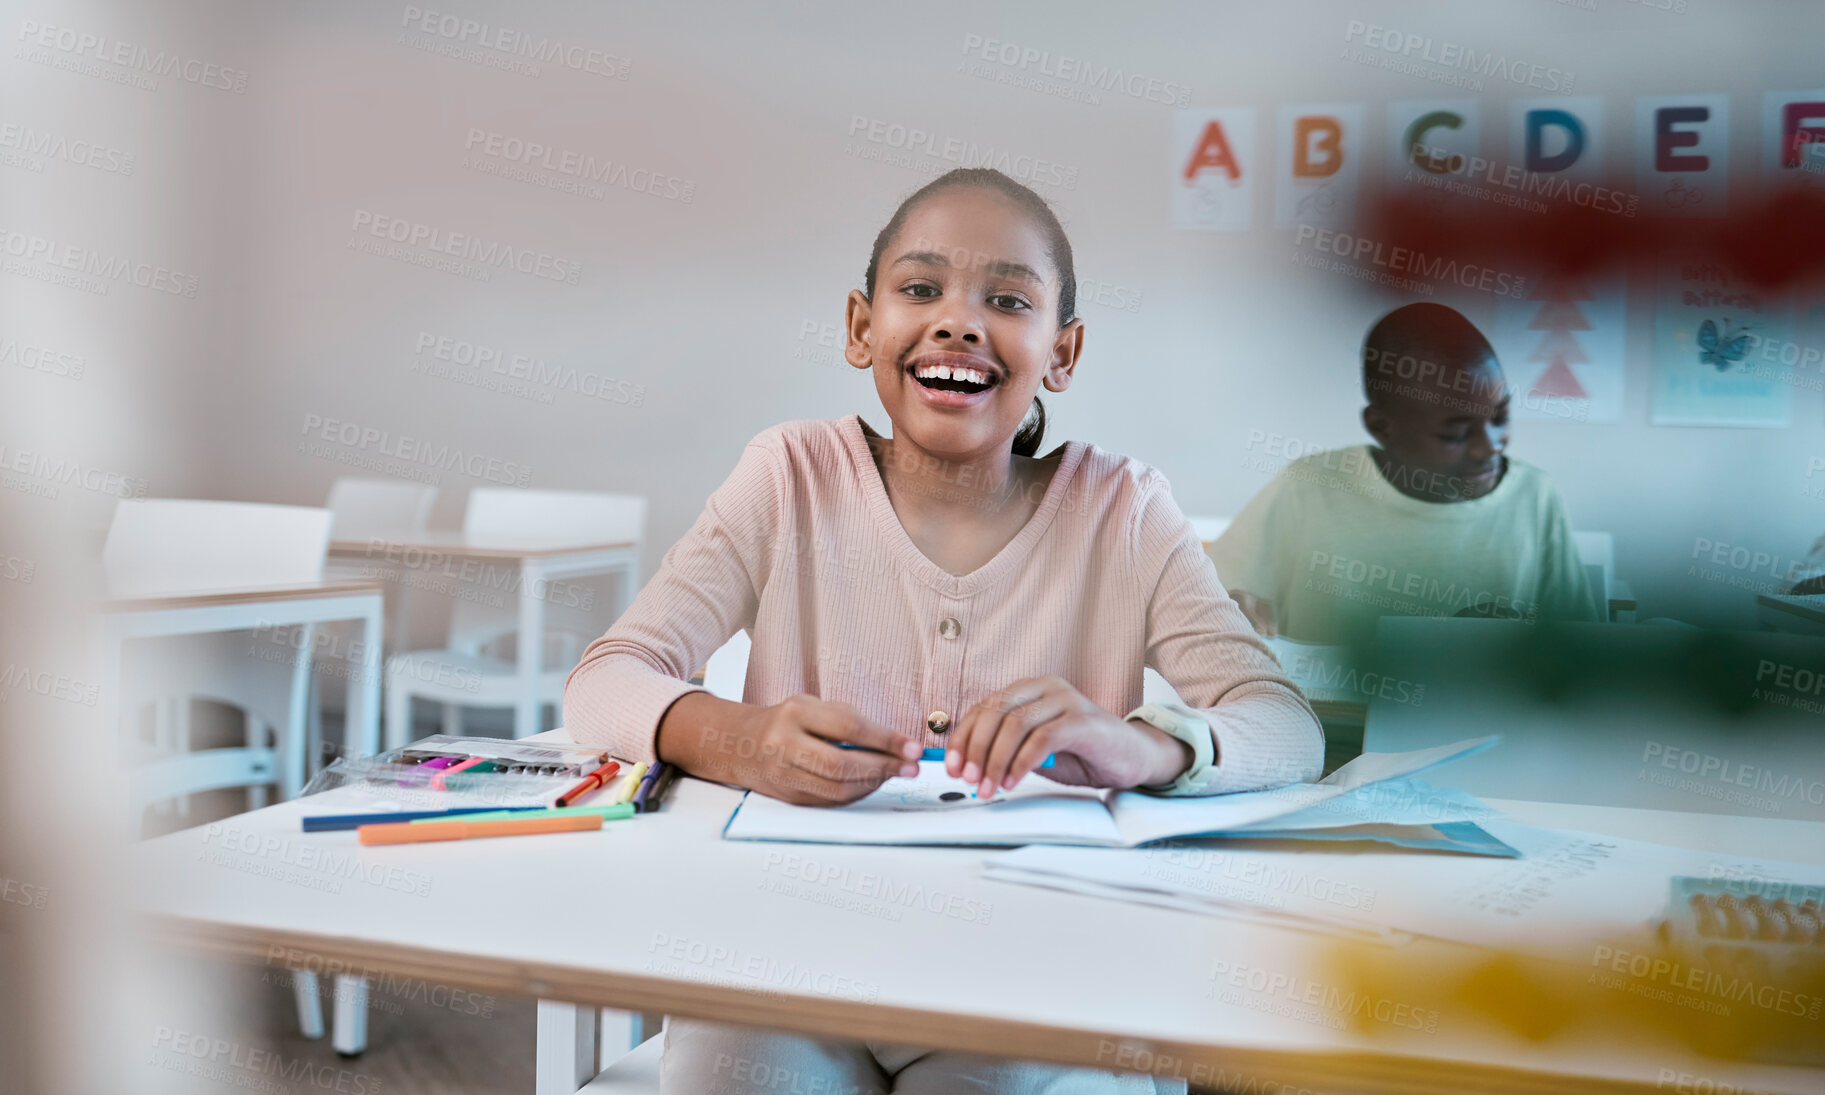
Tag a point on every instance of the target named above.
point(934, 790)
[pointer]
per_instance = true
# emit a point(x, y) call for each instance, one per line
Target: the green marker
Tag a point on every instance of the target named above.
point(608, 813)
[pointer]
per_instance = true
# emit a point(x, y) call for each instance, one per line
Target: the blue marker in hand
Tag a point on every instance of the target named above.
point(936, 754)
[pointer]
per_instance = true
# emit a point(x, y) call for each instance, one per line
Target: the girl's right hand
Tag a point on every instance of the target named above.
point(787, 751)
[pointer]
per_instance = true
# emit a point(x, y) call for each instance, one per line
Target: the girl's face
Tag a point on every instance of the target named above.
point(963, 328)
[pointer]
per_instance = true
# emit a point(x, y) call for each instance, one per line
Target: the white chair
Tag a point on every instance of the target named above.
point(1597, 551)
point(1154, 688)
point(163, 546)
point(373, 507)
point(168, 546)
point(636, 1073)
point(362, 508)
point(1210, 529)
point(726, 675)
point(477, 668)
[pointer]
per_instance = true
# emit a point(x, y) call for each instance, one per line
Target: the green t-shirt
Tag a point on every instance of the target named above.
point(1335, 547)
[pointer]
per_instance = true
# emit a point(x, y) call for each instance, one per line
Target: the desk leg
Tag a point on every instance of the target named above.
point(361, 726)
point(112, 703)
point(622, 1032)
point(349, 1016)
point(630, 583)
point(400, 624)
point(310, 1007)
point(113, 734)
point(532, 649)
point(566, 1052)
point(295, 734)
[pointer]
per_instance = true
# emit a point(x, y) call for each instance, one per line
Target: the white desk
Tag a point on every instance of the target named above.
point(735, 932)
point(536, 563)
point(246, 609)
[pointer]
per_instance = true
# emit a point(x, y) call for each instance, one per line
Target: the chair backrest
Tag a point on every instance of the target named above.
point(491, 614)
point(1155, 689)
point(368, 507)
point(1597, 551)
point(580, 515)
point(727, 674)
point(162, 546)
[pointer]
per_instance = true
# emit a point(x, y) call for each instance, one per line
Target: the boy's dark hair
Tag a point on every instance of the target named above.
point(1058, 249)
point(1417, 335)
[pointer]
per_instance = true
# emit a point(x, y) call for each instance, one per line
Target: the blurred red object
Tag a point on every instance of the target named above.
point(1776, 242)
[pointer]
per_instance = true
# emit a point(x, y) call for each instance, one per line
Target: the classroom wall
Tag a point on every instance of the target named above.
point(707, 309)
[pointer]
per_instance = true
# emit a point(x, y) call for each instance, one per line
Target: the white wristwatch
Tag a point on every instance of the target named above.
point(1189, 727)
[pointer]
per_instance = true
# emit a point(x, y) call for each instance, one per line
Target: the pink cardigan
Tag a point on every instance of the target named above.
point(802, 548)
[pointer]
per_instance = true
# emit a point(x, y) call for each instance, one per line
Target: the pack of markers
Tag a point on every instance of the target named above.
point(445, 772)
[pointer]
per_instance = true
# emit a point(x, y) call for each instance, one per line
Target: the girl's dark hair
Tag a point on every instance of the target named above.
point(1058, 249)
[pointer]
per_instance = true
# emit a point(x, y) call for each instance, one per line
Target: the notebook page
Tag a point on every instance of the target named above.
point(1142, 818)
point(933, 808)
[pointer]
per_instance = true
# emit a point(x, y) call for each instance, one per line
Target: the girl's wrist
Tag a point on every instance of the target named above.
point(699, 734)
point(1168, 757)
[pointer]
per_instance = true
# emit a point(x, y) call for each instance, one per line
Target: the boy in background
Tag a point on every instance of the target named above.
point(1433, 519)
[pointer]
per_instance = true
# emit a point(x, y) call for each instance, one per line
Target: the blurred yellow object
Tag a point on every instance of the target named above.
point(1730, 973)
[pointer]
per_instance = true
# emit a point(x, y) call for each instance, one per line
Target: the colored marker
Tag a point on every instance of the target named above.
point(597, 778)
point(646, 785)
point(630, 783)
point(437, 781)
point(328, 823)
point(661, 787)
point(466, 830)
point(937, 754)
point(607, 813)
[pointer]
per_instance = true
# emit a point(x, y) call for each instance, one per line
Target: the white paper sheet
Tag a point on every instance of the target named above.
point(1567, 885)
point(1228, 910)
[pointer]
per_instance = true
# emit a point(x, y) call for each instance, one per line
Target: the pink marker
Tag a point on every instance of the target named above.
point(437, 781)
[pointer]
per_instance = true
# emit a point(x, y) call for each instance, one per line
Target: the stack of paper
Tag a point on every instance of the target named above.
point(1564, 885)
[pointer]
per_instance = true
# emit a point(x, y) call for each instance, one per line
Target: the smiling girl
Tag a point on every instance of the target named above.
point(1010, 599)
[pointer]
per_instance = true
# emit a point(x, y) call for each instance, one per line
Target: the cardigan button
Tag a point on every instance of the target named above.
point(938, 722)
point(949, 628)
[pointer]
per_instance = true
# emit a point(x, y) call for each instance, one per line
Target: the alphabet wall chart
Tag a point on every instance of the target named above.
point(1722, 354)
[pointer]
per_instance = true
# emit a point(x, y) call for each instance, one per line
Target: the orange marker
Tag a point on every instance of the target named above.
point(597, 778)
point(407, 833)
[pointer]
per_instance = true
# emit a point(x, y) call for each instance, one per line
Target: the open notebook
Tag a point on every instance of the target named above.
point(1374, 797)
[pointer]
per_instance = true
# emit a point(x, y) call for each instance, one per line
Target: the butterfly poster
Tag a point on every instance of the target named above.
point(1717, 347)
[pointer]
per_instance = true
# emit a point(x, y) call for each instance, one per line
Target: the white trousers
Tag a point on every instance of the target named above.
point(703, 1058)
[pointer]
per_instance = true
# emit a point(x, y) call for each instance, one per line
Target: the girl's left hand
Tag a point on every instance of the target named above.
point(1008, 734)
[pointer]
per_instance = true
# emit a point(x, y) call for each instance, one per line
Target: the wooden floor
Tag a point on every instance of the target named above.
point(415, 1046)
